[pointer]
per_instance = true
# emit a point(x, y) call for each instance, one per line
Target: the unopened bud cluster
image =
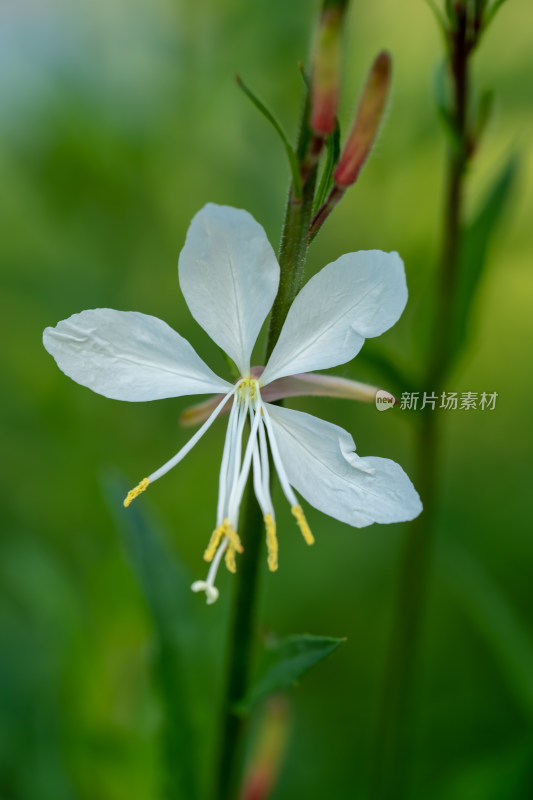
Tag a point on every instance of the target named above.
point(325, 82)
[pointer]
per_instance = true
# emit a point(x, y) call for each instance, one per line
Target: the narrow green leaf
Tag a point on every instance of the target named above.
point(291, 155)
point(441, 21)
point(491, 13)
point(305, 77)
point(442, 98)
point(479, 8)
point(284, 663)
point(486, 102)
point(474, 247)
point(166, 589)
point(490, 611)
point(333, 149)
point(450, 12)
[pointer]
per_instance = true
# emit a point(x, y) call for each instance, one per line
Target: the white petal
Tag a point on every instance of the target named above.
point(358, 296)
point(322, 467)
point(129, 356)
point(229, 277)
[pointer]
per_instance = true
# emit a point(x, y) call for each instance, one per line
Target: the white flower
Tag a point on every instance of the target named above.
point(229, 276)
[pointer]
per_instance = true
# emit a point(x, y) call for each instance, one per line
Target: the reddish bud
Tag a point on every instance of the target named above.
point(367, 121)
point(263, 771)
point(325, 68)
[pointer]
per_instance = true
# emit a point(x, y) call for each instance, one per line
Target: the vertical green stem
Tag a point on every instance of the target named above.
point(240, 653)
point(457, 165)
point(391, 766)
point(292, 255)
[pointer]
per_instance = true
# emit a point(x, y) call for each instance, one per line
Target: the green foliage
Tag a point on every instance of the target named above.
point(474, 249)
point(485, 105)
point(508, 636)
point(326, 180)
point(284, 662)
point(441, 20)
point(291, 155)
point(491, 13)
point(166, 589)
point(442, 92)
point(38, 618)
point(119, 122)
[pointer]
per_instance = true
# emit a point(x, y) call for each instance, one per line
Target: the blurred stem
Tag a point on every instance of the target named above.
point(392, 757)
point(457, 164)
point(392, 762)
point(292, 255)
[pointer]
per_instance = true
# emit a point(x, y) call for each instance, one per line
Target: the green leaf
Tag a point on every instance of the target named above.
point(442, 98)
point(493, 615)
point(475, 242)
point(450, 12)
point(305, 77)
point(291, 155)
point(486, 102)
point(491, 13)
point(333, 149)
point(441, 21)
point(166, 589)
point(479, 8)
point(284, 663)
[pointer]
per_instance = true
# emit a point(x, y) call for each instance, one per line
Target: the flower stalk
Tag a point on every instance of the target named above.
point(391, 763)
point(292, 255)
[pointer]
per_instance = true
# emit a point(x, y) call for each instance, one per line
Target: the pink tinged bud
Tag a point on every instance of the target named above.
point(199, 412)
point(262, 773)
point(367, 121)
point(325, 68)
point(307, 384)
point(303, 385)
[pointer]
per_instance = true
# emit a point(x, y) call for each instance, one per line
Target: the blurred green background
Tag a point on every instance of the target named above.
point(120, 119)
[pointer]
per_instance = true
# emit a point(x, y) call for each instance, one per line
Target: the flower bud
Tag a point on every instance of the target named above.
point(326, 67)
point(270, 748)
point(366, 125)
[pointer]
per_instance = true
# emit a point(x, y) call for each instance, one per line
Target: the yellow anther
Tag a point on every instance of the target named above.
point(234, 546)
point(230, 559)
point(302, 524)
point(233, 537)
point(214, 541)
point(272, 542)
point(136, 492)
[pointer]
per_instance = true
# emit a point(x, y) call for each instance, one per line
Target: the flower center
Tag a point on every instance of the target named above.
point(248, 389)
point(240, 457)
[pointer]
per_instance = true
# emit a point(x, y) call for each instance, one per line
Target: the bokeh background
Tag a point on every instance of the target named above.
point(120, 119)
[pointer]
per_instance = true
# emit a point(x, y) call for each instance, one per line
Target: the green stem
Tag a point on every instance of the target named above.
point(391, 763)
point(457, 165)
point(292, 255)
point(240, 653)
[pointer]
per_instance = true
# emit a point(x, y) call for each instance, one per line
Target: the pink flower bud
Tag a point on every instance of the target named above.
point(366, 125)
point(263, 771)
point(326, 67)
